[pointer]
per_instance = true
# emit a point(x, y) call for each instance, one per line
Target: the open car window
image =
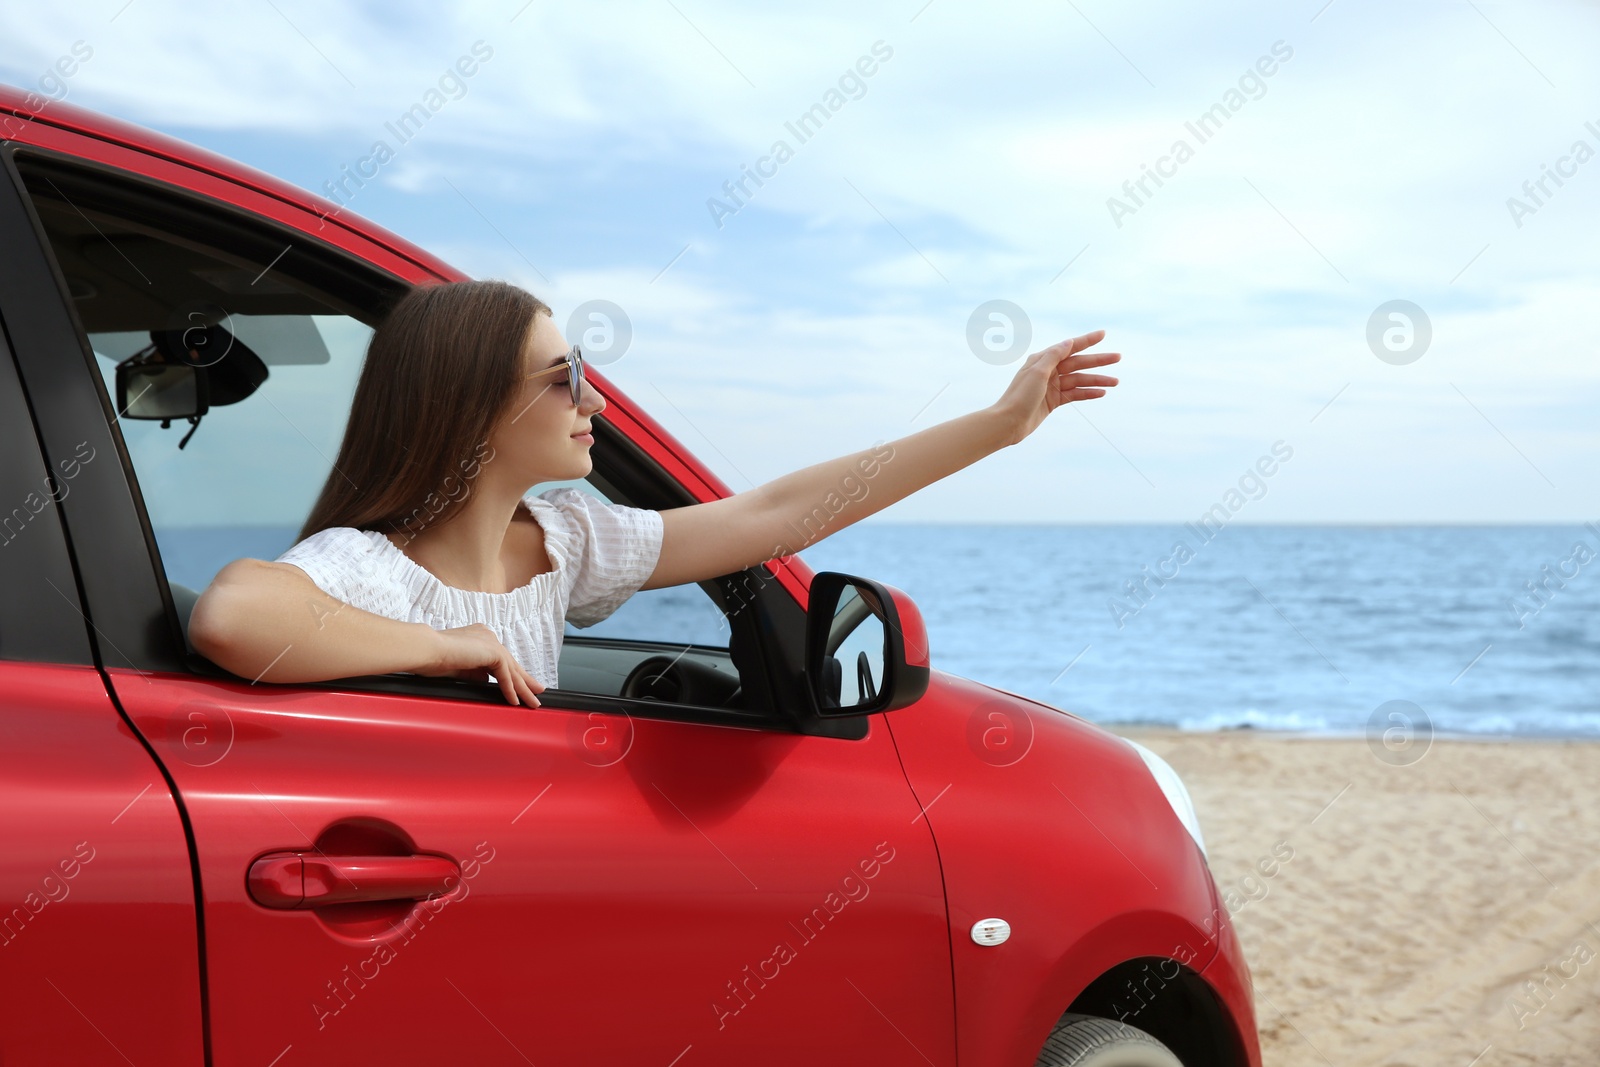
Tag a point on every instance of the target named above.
point(681, 612)
point(628, 652)
point(283, 350)
point(244, 481)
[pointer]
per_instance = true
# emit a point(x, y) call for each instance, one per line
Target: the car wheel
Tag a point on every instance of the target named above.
point(1089, 1041)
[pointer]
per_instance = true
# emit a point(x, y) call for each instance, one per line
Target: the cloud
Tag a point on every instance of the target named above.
point(1373, 164)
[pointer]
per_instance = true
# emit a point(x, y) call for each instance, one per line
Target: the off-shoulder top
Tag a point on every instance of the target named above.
point(602, 554)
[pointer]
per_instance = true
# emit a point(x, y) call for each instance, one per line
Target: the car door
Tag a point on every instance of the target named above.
point(611, 888)
point(99, 950)
point(402, 869)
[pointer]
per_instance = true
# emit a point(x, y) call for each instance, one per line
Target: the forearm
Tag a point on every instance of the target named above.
point(809, 504)
point(786, 514)
point(271, 623)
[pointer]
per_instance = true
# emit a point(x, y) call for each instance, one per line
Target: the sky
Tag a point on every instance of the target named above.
point(1314, 164)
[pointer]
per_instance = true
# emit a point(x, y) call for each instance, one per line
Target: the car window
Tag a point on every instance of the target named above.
point(678, 612)
point(240, 481)
point(244, 482)
point(249, 469)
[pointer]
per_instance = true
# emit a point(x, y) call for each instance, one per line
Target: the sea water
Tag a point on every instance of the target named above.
point(1488, 629)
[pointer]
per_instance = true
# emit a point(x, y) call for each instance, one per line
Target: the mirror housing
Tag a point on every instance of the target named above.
point(165, 391)
point(840, 606)
point(184, 373)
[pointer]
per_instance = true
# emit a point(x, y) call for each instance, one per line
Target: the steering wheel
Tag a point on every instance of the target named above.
point(681, 681)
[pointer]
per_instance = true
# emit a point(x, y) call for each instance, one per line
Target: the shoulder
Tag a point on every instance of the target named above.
point(340, 557)
point(589, 527)
point(565, 498)
point(584, 513)
point(561, 498)
point(335, 542)
point(608, 550)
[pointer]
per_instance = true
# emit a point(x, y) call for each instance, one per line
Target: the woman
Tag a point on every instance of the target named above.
point(426, 552)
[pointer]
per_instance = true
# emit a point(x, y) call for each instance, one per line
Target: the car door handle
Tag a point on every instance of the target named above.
point(313, 880)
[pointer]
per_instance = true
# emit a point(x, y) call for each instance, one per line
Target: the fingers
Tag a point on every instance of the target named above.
point(505, 672)
point(1071, 381)
point(498, 665)
point(528, 683)
point(1071, 345)
point(1084, 360)
point(523, 682)
point(516, 683)
point(1070, 354)
point(1079, 343)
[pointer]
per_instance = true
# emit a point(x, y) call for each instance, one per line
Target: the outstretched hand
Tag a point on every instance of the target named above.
point(1053, 377)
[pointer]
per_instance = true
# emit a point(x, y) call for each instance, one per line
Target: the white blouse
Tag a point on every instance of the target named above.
point(602, 552)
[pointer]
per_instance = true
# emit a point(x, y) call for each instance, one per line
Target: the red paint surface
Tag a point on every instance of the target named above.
point(99, 956)
point(617, 875)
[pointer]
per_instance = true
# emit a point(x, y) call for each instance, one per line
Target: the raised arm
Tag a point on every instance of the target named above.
point(270, 622)
point(786, 514)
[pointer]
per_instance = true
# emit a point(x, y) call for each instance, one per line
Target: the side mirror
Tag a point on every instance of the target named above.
point(866, 647)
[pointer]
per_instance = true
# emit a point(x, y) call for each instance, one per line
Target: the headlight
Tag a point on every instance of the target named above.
point(1176, 792)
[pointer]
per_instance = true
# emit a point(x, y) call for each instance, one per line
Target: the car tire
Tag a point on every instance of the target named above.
point(1089, 1041)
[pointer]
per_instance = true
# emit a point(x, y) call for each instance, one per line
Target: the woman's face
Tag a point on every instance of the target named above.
point(541, 434)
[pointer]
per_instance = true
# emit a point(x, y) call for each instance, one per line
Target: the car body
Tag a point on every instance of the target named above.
point(626, 879)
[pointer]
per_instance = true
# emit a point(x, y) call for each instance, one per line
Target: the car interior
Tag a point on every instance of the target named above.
point(260, 336)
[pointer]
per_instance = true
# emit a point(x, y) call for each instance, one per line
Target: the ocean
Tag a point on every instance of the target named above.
point(1489, 630)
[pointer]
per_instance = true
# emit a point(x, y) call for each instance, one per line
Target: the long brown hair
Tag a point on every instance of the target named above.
point(440, 370)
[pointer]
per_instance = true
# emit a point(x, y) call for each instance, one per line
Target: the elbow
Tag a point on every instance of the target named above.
point(213, 624)
point(210, 641)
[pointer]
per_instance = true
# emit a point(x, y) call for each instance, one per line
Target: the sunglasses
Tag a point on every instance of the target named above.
point(573, 365)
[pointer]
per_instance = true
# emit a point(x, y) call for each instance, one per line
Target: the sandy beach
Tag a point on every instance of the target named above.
point(1444, 913)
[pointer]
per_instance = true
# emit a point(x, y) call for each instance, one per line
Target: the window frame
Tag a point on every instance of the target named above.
point(36, 624)
point(125, 583)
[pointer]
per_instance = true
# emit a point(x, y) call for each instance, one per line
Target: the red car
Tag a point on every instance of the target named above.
point(782, 839)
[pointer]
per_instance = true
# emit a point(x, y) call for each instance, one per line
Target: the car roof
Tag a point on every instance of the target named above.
point(24, 104)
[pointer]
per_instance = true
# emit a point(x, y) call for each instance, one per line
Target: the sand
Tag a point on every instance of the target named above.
point(1417, 902)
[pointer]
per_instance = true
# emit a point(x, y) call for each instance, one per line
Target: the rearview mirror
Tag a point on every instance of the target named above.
point(183, 373)
point(866, 647)
point(160, 391)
